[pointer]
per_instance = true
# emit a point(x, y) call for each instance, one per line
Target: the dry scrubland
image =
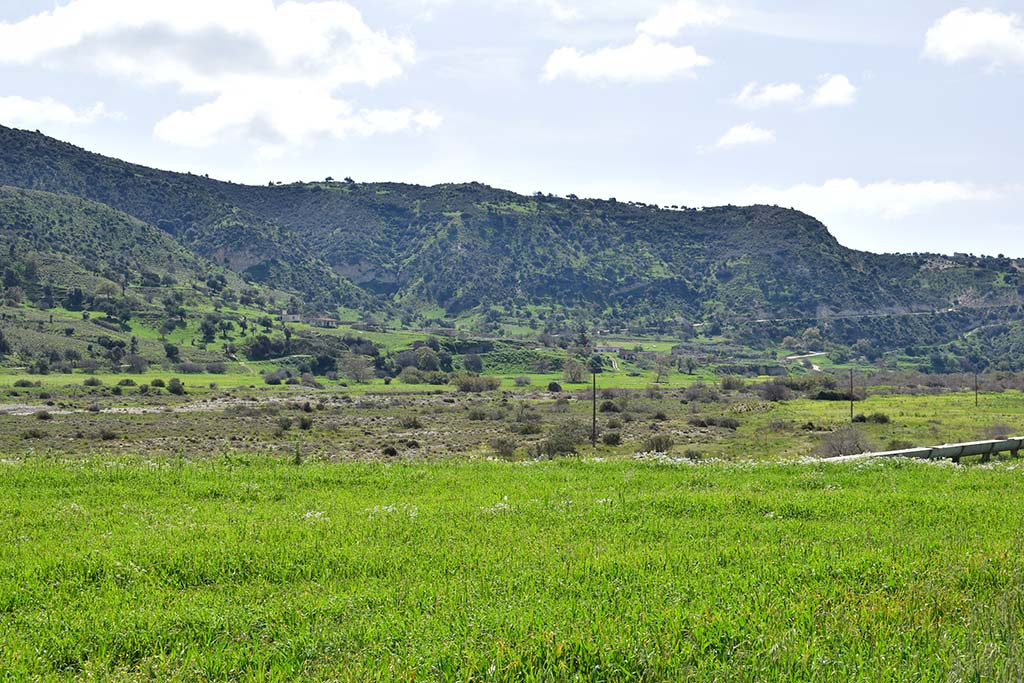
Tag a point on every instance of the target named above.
point(727, 420)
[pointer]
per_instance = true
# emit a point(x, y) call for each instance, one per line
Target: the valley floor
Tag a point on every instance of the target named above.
point(255, 568)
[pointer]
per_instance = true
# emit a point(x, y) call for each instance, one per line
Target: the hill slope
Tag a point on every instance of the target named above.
point(76, 242)
point(462, 249)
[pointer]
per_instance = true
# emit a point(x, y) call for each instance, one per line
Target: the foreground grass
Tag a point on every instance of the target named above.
point(262, 570)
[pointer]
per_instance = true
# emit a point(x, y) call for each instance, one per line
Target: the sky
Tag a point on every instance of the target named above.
point(898, 125)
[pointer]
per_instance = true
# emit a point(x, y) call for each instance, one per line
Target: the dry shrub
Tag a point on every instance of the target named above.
point(845, 441)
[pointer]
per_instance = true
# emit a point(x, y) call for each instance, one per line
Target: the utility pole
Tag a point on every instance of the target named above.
point(851, 395)
point(593, 424)
point(977, 400)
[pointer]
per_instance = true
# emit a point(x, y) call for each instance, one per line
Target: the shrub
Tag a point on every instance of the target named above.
point(845, 441)
point(473, 362)
point(776, 391)
point(158, 383)
point(554, 387)
point(702, 393)
point(176, 387)
point(284, 424)
point(92, 382)
point(723, 422)
point(999, 430)
point(216, 368)
point(504, 447)
point(522, 381)
point(659, 443)
point(879, 419)
point(530, 427)
point(189, 368)
point(126, 383)
point(660, 416)
point(611, 438)
point(476, 383)
point(562, 440)
point(137, 364)
point(614, 423)
point(27, 384)
point(93, 408)
point(733, 383)
point(305, 421)
point(609, 407)
point(410, 422)
point(860, 418)
point(410, 375)
point(33, 434)
point(108, 435)
point(43, 415)
point(275, 377)
point(477, 415)
point(390, 451)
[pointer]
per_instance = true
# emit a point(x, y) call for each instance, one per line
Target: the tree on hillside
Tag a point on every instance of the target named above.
point(75, 299)
point(356, 368)
point(662, 368)
point(427, 359)
point(572, 370)
point(473, 362)
point(5, 346)
point(208, 329)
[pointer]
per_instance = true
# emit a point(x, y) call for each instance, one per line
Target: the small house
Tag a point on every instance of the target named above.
point(323, 323)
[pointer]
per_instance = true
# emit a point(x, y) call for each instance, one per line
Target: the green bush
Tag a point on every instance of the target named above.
point(504, 447)
point(659, 443)
point(611, 438)
point(476, 384)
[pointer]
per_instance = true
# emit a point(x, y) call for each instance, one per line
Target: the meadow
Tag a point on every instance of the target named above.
point(255, 568)
point(392, 532)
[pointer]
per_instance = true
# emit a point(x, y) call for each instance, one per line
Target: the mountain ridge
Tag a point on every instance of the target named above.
point(457, 249)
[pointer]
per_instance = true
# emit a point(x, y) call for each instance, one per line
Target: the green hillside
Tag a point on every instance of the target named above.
point(492, 262)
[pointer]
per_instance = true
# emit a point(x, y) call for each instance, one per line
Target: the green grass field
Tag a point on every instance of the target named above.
point(257, 569)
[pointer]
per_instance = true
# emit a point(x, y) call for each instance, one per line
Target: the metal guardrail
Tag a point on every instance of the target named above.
point(954, 452)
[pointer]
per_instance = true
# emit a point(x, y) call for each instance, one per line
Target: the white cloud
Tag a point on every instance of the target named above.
point(985, 35)
point(754, 96)
point(846, 196)
point(271, 71)
point(561, 12)
point(672, 18)
point(22, 112)
point(746, 134)
point(644, 60)
point(835, 91)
